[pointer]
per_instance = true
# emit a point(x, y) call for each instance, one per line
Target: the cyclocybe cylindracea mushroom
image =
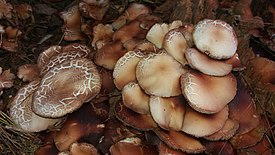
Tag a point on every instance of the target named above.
point(95, 9)
point(65, 87)
point(159, 74)
point(216, 38)
point(22, 114)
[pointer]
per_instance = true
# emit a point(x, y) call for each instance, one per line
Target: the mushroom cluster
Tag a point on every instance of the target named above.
point(66, 80)
point(180, 83)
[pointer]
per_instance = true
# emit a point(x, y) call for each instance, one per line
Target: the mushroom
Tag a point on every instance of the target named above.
point(23, 11)
point(72, 24)
point(208, 94)
point(83, 149)
point(159, 74)
point(5, 10)
point(135, 99)
point(180, 141)
point(95, 9)
point(65, 87)
point(166, 150)
point(28, 72)
point(200, 125)
point(47, 54)
point(168, 113)
point(205, 64)
point(157, 32)
point(131, 13)
point(10, 39)
point(102, 34)
point(22, 115)
point(216, 38)
point(6, 79)
point(146, 47)
point(125, 68)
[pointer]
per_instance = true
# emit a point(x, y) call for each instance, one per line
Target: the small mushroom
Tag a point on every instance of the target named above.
point(135, 99)
point(83, 149)
point(72, 24)
point(131, 13)
point(28, 72)
point(5, 10)
point(22, 115)
point(23, 11)
point(166, 150)
point(205, 64)
point(125, 68)
point(208, 94)
point(102, 34)
point(168, 113)
point(95, 9)
point(6, 79)
point(65, 87)
point(10, 39)
point(200, 125)
point(159, 74)
point(216, 38)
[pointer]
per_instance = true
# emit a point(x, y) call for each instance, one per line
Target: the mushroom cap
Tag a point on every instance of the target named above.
point(216, 38)
point(166, 150)
point(135, 99)
point(93, 8)
point(168, 113)
point(208, 94)
point(23, 11)
point(83, 149)
point(28, 72)
point(180, 141)
point(47, 54)
point(5, 10)
point(66, 87)
point(175, 44)
point(6, 79)
point(102, 34)
point(205, 64)
point(21, 113)
point(125, 68)
point(159, 74)
point(200, 125)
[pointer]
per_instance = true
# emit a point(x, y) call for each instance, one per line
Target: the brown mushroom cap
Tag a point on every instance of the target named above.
point(135, 99)
point(200, 125)
point(83, 149)
point(66, 87)
point(146, 47)
point(47, 54)
point(102, 34)
point(93, 8)
point(168, 113)
point(21, 113)
point(166, 150)
point(216, 38)
point(6, 79)
point(205, 64)
point(5, 10)
point(180, 141)
point(125, 68)
point(23, 11)
point(28, 72)
point(208, 94)
point(159, 74)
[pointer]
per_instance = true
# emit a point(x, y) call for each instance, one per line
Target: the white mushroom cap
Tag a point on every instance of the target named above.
point(168, 112)
point(135, 99)
point(22, 115)
point(216, 38)
point(125, 68)
point(205, 64)
point(208, 94)
point(200, 125)
point(66, 87)
point(158, 74)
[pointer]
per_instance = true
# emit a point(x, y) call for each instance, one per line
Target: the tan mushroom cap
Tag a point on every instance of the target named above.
point(66, 87)
point(22, 115)
point(200, 125)
point(180, 141)
point(146, 47)
point(205, 64)
point(168, 113)
point(216, 38)
point(135, 99)
point(125, 68)
point(228, 130)
point(83, 149)
point(102, 34)
point(157, 32)
point(159, 74)
point(235, 62)
point(208, 94)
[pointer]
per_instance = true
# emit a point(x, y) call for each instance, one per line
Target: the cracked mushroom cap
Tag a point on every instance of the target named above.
point(200, 125)
point(135, 99)
point(45, 56)
point(168, 113)
point(216, 38)
point(66, 87)
point(125, 68)
point(205, 64)
point(159, 74)
point(208, 94)
point(22, 115)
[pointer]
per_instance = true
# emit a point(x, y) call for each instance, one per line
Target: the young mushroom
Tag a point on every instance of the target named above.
point(95, 9)
point(216, 38)
point(65, 87)
point(6, 79)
